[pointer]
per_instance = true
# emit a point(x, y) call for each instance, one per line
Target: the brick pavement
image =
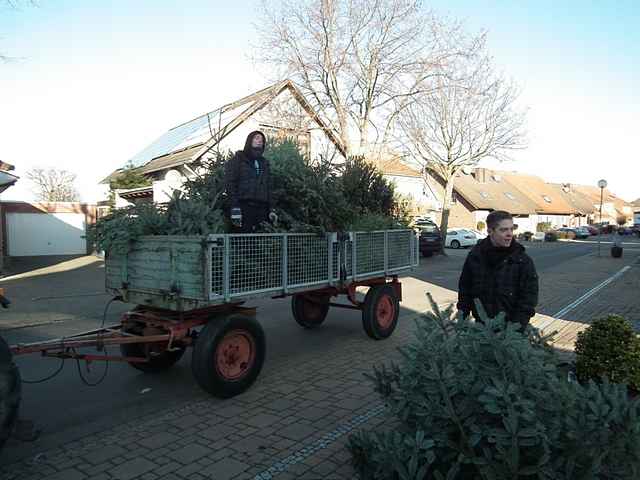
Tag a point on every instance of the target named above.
point(294, 403)
point(568, 281)
point(295, 421)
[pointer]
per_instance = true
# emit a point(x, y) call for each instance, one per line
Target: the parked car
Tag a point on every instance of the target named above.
point(430, 238)
point(479, 235)
point(571, 233)
point(592, 230)
point(582, 232)
point(538, 237)
point(422, 221)
point(460, 237)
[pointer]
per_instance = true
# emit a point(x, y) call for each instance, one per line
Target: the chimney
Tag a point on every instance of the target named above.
point(481, 175)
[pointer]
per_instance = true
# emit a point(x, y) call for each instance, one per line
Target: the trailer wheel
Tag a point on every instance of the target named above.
point(10, 391)
point(160, 359)
point(380, 312)
point(310, 310)
point(228, 355)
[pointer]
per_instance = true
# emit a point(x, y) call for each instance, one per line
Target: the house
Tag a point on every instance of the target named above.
point(553, 206)
point(41, 228)
point(409, 182)
point(279, 111)
point(584, 208)
point(613, 206)
point(7, 179)
point(46, 228)
point(477, 192)
point(529, 198)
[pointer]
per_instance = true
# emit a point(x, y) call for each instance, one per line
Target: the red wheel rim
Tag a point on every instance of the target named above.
point(312, 309)
point(385, 311)
point(235, 354)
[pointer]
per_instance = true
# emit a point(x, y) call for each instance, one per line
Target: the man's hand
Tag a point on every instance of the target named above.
point(273, 217)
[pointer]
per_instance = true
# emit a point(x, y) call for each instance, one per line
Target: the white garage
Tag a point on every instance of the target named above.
point(54, 233)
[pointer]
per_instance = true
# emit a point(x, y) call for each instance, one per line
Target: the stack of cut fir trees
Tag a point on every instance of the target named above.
point(316, 196)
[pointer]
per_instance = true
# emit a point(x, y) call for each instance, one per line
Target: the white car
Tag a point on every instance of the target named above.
point(460, 237)
point(479, 235)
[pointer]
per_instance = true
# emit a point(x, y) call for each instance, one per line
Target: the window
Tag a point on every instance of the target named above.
point(509, 195)
point(546, 198)
point(484, 194)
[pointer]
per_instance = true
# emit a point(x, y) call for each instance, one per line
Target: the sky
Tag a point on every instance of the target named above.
point(92, 82)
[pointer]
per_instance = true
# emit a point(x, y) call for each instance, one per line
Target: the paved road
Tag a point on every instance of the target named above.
point(66, 409)
point(445, 271)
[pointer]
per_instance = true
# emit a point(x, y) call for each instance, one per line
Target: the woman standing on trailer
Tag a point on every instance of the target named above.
point(248, 185)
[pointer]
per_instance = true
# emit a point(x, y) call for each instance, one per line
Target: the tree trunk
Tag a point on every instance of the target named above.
point(446, 207)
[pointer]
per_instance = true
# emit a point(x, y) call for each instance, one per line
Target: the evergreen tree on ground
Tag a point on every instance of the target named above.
point(483, 401)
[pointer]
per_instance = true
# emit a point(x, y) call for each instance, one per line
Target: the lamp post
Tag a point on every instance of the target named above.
point(602, 184)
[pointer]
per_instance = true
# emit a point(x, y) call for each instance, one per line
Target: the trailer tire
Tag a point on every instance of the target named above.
point(228, 355)
point(380, 312)
point(10, 392)
point(310, 311)
point(158, 362)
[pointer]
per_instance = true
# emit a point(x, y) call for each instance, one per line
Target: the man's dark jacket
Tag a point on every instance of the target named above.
point(243, 182)
point(503, 279)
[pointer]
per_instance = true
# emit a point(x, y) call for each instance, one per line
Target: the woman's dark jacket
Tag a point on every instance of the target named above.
point(245, 183)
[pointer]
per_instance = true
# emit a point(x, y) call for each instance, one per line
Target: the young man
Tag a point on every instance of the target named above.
point(247, 182)
point(500, 274)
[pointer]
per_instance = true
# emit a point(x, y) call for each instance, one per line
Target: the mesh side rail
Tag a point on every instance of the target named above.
point(370, 253)
point(400, 249)
point(307, 260)
point(255, 263)
point(243, 265)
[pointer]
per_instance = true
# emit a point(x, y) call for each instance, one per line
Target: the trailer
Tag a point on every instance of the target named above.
point(192, 291)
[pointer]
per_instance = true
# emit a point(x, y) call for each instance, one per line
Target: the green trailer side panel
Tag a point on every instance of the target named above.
point(158, 269)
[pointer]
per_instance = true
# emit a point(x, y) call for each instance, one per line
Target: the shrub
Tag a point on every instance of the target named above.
point(551, 236)
point(374, 221)
point(480, 226)
point(483, 401)
point(610, 348)
point(366, 189)
point(307, 196)
point(543, 227)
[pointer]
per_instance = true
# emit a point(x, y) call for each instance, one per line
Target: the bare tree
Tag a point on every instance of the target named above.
point(15, 4)
point(53, 185)
point(359, 62)
point(469, 115)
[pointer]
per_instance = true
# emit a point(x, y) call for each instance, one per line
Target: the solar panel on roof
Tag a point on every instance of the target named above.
point(177, 138)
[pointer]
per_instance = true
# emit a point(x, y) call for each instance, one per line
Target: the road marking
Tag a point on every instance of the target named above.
point(323, 442)
point(591, 292)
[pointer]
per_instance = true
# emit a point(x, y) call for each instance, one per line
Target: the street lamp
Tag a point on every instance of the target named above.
point(602, 184)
